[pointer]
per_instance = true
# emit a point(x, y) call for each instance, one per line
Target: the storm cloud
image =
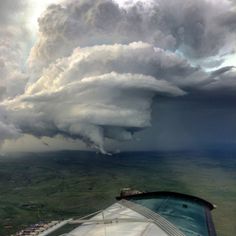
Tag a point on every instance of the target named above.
point(12, 48)
point(198, 28)
point(94, 94)
point(96, 66)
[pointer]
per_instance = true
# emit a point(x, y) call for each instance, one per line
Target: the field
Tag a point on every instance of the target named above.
point(58, 185)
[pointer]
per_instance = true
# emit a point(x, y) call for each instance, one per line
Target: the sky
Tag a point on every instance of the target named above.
point(117, 75)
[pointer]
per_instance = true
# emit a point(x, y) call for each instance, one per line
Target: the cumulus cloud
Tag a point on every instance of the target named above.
point(96, 66)
point(12, 79)
point(95, 93)
point(12, 48)
point(7, 7)
point(197, 28)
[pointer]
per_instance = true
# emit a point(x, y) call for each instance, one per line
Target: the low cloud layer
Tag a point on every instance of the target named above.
point(96, 66)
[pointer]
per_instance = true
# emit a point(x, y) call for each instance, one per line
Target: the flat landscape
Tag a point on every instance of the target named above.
point(58, 185)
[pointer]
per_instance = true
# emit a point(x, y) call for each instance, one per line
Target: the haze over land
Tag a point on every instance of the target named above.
point(99, 71)
point(60, 185)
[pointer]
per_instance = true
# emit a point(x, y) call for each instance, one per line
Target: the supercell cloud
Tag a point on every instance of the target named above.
point(95, 93)
point(96, 66)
